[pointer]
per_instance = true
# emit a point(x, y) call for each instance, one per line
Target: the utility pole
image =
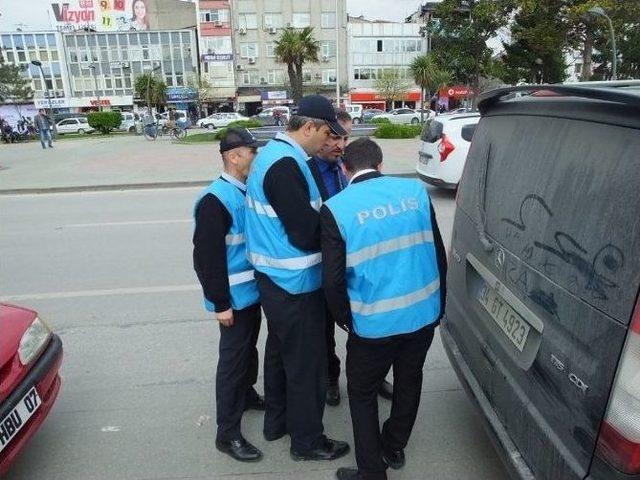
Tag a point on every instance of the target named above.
point(338, 18)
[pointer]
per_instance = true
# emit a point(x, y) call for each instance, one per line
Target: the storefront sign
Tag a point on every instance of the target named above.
point(217, 57)
point(181, 94)
point(458, 91)
point(279, 95)
point(101, 15)
point(104, 102)
point(55, 103)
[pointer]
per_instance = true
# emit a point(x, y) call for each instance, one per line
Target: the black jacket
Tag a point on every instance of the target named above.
point(334, 263)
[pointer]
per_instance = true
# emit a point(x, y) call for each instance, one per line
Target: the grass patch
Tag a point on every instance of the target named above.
point(208, 137)
point(398, 131)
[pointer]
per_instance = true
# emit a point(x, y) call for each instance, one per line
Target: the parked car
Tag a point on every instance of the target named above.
point(129, 121)
point(400, 115)
point(542, 322)
point(444, 147)
point(218, 120)
point(426, 112)
point(274, 116)
point(74, 125)
point(369, 113)
point(355, 111)
point(30, 357)
point(181, 118)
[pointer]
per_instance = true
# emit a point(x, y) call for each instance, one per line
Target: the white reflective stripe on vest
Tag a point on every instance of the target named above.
point(242, 277)
point(296, 263)
point(388, 246)
point(261, 208)
point(234, 239)
point(395, 303)
point(316, 205)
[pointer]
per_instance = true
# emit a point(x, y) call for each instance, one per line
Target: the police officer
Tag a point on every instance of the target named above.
point(326, 168)
point(283, 244)
point(227, 280)
point(384, 276)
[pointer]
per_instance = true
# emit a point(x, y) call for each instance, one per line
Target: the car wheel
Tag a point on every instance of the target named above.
point(211, 126)
point(356, 121)
point(132, 129)
point(415, 121)
point(80, 131)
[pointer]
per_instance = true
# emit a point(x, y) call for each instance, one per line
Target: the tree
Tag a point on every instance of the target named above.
point(151, 89)
point(295, 48)
point(461, 34)
point(439, 79)
point(391, 86)
point(202, 87)
point(422, 69)
point(13, 86)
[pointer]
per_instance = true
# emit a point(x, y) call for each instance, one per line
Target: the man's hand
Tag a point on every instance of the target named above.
point(225, 318)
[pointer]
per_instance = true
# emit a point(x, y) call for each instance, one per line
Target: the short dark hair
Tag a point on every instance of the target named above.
point(343, 116)
point(296, 122)
point(361, 154)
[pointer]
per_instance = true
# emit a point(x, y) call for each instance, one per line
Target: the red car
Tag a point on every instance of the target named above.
point(30, 357)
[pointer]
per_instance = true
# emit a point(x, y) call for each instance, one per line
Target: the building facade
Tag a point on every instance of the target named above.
point(261, 81)
point(375, 47)
point(91, 54)
point(216, 53)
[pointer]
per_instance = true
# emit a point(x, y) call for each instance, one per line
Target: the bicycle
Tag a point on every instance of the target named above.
point(154, 130)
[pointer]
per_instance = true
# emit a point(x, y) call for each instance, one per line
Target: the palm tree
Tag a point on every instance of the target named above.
point(295, 48)
point(422, 69)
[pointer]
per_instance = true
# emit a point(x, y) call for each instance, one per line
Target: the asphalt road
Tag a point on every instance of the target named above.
point(111, 271)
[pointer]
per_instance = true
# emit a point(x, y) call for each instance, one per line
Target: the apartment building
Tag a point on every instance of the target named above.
point(376, 46)
point(257, 24)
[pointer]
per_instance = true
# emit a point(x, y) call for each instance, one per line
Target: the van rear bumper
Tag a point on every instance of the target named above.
point(508, 452)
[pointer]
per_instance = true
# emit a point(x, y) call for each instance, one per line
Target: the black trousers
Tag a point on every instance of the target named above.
point(368, 362)
point(237, 370)
point(295, 368)
point(333, 362)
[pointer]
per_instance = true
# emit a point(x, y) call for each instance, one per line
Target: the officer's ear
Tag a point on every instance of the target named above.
point(379, 167)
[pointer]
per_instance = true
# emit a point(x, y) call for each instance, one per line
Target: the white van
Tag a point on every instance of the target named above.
point(355, 111)
point(129, 120)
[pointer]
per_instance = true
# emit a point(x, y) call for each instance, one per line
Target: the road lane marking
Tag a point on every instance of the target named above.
point(124, 224)
point(102, 292)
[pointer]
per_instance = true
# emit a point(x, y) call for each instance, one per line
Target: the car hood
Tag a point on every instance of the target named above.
point(14, 321)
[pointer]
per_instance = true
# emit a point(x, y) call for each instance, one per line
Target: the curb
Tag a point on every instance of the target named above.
point(130, 186)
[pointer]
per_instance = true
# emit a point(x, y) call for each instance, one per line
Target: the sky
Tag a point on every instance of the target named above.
point(391, 10)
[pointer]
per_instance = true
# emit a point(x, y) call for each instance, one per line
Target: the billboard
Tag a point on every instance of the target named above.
point(100, 15)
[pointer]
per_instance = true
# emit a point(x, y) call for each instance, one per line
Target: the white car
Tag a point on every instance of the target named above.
point(218, 120)
point(163, 118)
point(445, 143)
point(74, 125)
point(355, 111)
point(401, 115)
point(129, 120)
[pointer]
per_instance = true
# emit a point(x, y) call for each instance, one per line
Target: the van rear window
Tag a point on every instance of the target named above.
point(432, 131)
point(562, 195)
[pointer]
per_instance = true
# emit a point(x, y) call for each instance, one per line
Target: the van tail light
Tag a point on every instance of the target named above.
point(446, 147)
point(619, 439)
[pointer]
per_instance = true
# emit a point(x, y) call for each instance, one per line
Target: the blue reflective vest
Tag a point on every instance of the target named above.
point(242, 286)
point(392, 274)
point(294, 270)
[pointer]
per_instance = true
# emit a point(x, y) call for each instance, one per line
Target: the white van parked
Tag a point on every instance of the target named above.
point(355, 111)
point(129, 120)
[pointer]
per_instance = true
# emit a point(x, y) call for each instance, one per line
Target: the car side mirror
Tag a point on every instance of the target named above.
point(467, 132)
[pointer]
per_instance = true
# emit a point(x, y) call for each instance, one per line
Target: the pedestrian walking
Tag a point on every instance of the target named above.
point(384, 270)
point(230, 291)
point(283, 243)
point(44, 125)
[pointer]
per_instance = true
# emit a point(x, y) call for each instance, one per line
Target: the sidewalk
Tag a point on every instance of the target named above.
point(132, 162)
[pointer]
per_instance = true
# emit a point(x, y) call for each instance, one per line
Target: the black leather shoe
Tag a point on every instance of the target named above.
point(327, 450)
point(348, 474)
point(254, 401)
point(386, 390)
point(333, 393)
point(240, 450)
point(395, 459)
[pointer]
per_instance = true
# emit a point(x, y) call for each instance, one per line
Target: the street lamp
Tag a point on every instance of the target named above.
point(539, 63)
point(95, 84)
point(599, 11)
point(38, 64)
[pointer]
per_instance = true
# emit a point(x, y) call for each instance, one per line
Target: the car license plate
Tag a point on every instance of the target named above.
point(16, 419)
point(513, 325)
point(424, 158)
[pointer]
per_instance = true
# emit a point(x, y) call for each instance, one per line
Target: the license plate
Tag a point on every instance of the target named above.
point(16, 419)
point(424, 158)
point(513, 325)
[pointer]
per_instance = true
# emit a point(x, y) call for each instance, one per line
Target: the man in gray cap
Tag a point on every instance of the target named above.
point(230, 291)
point(283, 244)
